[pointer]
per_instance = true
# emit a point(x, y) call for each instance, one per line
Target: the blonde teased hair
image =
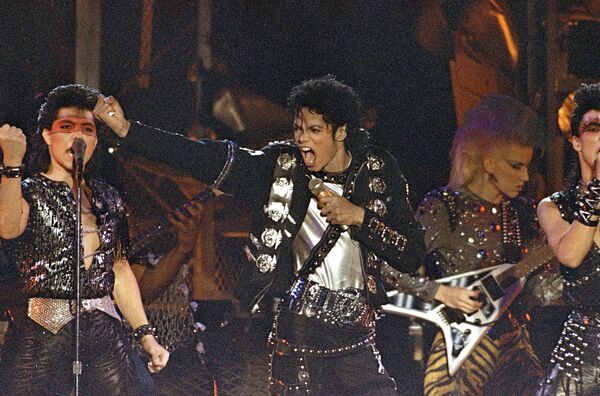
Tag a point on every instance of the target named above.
point(496, 120)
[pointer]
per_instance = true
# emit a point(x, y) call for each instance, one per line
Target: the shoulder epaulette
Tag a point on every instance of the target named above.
point(448, 197)
point(285, 143)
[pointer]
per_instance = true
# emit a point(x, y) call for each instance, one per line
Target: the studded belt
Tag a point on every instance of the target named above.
point(53, 313)
point(347, 307)
point(284, 348)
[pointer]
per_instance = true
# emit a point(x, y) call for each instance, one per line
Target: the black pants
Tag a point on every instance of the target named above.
point(358, 372)
point(40, 363)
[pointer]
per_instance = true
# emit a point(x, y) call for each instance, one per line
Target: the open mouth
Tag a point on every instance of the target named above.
point(308, 156)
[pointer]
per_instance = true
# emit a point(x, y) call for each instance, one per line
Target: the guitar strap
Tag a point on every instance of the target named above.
point(511, 232)
point(433, 259)
point(449, 199)
point(332, 232)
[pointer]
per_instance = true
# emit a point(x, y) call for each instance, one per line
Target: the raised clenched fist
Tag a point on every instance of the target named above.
point(13, 145)
point(109, 111)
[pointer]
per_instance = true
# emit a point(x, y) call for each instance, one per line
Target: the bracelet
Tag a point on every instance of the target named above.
point(584, 215)
point(590, 198)
point(587, 204)
point(143, 331)
point(12, 171)
point(584, 218)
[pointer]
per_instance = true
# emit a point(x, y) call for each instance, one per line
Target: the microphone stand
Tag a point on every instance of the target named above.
point(77, 177)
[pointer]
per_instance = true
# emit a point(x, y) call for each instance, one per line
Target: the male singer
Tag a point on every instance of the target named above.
point(320, 255)
point(38, 224)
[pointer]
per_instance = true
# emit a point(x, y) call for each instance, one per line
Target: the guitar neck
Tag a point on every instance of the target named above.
point(527, 265)
point(163, 226)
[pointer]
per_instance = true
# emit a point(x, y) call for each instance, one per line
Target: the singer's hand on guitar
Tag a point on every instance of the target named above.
point(13, 145)
point(339, 210)
point(458, 298)
point(109, 111)
point(187, 222)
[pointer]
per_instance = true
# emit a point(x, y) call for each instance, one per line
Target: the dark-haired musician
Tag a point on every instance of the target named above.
point(322, 256)
point(38, 226)
point(164, 279)
point(570, 220)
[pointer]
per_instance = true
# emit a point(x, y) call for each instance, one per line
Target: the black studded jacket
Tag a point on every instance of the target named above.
point(389, 231)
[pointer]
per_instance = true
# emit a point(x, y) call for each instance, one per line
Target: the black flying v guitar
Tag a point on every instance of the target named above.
point(498, 287)
point(143, 240)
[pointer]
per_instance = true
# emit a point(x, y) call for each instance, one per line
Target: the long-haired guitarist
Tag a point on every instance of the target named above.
point(163, 278)
point(161, 263)
point(570, 220)
point(478, 220)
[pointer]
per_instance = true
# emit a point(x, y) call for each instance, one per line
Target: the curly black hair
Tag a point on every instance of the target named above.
point(587, 98)
point(337, 102)
point(72, 95)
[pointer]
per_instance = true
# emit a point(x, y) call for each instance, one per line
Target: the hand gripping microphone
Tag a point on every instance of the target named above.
point(318, 189)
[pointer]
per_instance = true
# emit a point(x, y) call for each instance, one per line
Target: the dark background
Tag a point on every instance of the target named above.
point(268, 47)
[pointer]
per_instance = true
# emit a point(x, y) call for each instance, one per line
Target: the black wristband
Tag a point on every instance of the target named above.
point(12, 171)
point(587, 203)
point(143, 331)
point(593, 191)
point(585, 220)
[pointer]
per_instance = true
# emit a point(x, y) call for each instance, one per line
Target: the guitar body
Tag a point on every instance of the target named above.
point(462, 332)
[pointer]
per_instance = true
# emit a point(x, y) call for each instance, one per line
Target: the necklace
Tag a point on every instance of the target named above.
point(336, 177)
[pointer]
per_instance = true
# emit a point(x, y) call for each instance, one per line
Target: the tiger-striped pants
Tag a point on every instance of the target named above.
point(506, 366)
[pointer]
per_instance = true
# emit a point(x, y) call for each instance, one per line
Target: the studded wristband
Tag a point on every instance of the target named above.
point(584, 214)
point(591, 196)
point(143, 331)
point(584, 218)
point(587, 203)
point(12, 171)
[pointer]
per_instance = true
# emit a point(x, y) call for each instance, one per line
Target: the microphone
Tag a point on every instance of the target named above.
point(318, 189)
point(78, 149)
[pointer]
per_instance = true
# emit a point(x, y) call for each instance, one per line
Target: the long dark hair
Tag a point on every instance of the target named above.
point(72, 95)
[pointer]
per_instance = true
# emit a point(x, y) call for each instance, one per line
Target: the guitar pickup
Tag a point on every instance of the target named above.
point(492, 287)
point(487, 307)
point(453, 315)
